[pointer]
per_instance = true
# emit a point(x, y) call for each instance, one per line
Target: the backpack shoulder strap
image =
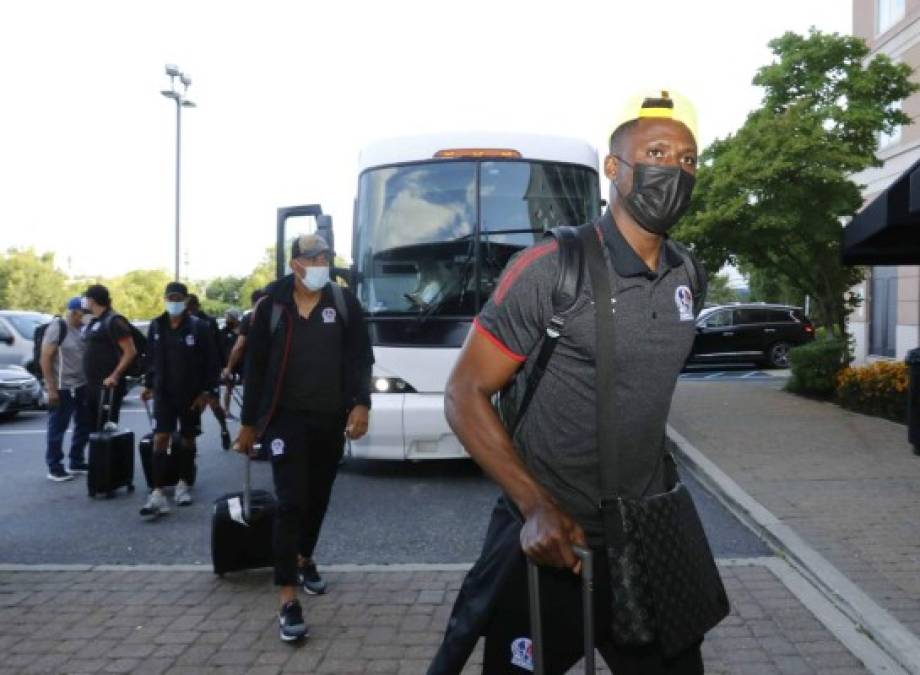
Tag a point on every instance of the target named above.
point(338, 297)
point(565, 294)
point(62, 330)
point(277, 310)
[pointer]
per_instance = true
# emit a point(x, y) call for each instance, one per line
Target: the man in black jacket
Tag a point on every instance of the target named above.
point(181, 380)
point(308, 372)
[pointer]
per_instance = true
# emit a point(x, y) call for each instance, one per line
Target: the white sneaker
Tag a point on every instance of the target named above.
point(183, 496)
point(156, 505)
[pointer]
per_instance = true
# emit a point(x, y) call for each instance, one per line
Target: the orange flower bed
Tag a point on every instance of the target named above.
point(879, 388)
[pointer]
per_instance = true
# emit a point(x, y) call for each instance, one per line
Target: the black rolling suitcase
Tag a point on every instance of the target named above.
point(242, 528)
point(145, 450)
point(111, 455)
point(587, 601)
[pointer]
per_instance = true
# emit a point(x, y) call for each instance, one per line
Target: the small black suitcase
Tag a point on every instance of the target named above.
point(111, 456)
point(241, 529)
point(145, 450)
point(587, 602)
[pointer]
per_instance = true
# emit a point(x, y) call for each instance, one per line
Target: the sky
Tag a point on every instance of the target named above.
point(289, 92)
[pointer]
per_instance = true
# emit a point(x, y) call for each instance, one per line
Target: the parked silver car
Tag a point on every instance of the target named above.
point(18, 391)
point(16, 331)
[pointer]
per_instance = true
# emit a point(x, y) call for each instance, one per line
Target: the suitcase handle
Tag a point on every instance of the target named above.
point(587, 600)
point(108, 394)
point(149, 414)
point(247, 484)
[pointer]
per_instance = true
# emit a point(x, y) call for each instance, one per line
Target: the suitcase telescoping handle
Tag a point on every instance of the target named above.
point(247, 483)
point(587, 601)
point(108, 398)
point(149, 414)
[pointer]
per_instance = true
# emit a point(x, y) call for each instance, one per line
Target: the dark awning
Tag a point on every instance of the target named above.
point(887, 230)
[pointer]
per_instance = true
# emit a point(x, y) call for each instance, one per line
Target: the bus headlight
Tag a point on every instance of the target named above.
point(391, 385)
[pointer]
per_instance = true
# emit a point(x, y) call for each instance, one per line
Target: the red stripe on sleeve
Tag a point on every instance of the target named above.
point(517, 268)
point(498, 343)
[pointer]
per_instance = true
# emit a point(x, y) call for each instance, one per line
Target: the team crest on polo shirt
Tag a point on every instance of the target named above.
point(683, 298)
point(190, 340)
point(329, 315)
point(522, 653)
point(277, 447)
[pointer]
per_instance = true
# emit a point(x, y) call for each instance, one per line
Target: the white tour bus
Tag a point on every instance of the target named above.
point(436, 219)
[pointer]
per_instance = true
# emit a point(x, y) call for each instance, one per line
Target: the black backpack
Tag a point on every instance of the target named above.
point(141, 362)
point(35, 367)
point(565, 293)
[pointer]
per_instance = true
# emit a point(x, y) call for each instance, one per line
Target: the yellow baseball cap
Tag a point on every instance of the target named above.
point(664, 104)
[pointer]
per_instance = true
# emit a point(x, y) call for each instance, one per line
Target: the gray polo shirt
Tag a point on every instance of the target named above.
point(68, 361)
point(655, 327)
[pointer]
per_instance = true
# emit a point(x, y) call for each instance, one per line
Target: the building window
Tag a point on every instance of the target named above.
point(887, 140)
point(887, 14)
point(883, 299)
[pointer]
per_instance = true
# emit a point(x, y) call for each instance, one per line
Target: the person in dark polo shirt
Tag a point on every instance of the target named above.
point(306, 387)
point(182, 379)
point(550, 471)
point(108, 354)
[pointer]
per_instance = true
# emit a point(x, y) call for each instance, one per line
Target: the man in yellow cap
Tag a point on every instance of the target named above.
point(552, 471)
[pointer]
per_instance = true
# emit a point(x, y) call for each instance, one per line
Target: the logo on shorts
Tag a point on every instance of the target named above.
point(522, 653)
point(683, 298)
point(329, 315)
point(190, 340)
point(277, 447)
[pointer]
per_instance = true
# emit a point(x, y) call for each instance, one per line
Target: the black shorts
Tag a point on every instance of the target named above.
point(170, 416)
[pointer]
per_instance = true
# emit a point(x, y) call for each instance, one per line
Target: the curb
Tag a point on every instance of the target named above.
point(872, 619)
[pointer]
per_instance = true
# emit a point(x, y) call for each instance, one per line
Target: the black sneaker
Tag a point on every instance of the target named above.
point(292, 624)
point(58, 475)
point(79, 467)
point(310, 579)
point(225, 438)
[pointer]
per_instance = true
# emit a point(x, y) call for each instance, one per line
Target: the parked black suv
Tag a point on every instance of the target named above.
point(750, 332)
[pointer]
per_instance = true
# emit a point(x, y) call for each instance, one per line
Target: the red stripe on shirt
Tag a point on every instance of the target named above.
point(498, 343)
point(518, 266)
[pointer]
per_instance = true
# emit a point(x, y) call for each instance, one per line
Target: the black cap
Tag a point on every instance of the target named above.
point(176, 287)
point(99, 294)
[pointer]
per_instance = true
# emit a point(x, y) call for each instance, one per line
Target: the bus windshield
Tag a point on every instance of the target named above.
point(432, 238)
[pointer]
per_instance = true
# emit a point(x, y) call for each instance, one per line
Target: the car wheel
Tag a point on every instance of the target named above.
point(778, 354)
point(8, 415)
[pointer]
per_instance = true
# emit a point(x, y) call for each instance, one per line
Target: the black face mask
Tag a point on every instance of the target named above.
point(660, 195)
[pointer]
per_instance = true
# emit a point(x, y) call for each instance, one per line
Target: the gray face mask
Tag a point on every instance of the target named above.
point(660, 195)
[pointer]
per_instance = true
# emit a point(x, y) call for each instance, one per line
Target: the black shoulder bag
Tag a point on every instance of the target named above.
point(665, 584)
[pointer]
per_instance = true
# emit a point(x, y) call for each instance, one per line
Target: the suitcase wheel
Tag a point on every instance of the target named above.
point(92, 493)
point(110, 494)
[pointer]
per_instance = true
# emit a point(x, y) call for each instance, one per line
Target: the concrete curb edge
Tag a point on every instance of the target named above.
point(872, 619)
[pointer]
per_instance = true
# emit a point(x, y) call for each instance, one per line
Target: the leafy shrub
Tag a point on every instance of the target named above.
point(879, 388)
point(815, 366)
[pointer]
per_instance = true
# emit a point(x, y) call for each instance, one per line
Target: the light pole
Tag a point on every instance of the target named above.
point(182, 101)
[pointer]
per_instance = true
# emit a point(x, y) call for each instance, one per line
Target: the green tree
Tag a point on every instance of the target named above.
point(719, 292)
point(31, 281)
point(772, 195)
point(226, 290)
point(261, 276)
point(138, 295)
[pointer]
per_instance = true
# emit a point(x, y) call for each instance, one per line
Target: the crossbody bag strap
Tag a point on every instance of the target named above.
point(608, 455)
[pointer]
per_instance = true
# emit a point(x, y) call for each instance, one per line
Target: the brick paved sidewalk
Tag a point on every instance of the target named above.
point(185, 623)
point(846, 483)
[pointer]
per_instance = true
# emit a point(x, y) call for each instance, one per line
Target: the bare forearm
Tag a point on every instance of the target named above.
point(477, 425)
point(48, 370)
point(236, 353)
